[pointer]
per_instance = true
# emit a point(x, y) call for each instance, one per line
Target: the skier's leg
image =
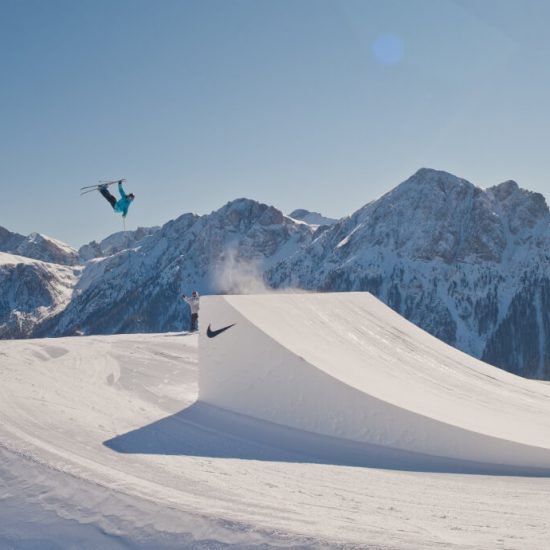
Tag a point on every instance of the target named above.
point(108, 196)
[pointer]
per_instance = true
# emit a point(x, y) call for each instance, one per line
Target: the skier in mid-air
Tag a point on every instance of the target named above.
point(121, 206)
point(193, 302)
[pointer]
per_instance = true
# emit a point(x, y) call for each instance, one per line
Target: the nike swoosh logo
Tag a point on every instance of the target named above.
point(213, 333)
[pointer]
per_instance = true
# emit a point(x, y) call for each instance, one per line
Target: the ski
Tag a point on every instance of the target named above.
point(89, 190)
point(101, 183)
point(92, 188)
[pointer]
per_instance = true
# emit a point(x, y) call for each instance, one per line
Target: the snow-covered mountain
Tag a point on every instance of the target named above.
point(470, 266)
point(38, 247)
point(114, 243)
point(31, 291)
point(139, 289)
point(37, 278)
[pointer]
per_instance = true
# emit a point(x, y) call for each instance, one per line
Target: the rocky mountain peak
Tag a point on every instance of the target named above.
point(9, 241)
point(521, 209)
point(504, 190)
point(434, 214)
point(38, 247)
point(428, 183)
point(244, 213)
point(42, 247)
point(431, 178)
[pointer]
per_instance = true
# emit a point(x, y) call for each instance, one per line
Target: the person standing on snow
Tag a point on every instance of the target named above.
point(121, 206)
point(193, 302)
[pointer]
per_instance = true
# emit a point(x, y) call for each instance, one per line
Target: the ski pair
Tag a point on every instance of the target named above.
point(91, 188)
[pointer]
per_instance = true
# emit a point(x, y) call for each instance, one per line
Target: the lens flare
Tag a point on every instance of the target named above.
point(388, 49)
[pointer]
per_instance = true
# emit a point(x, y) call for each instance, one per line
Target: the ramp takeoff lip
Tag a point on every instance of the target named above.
point(213, 333)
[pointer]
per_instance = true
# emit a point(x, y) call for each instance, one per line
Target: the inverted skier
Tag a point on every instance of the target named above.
point(121, 206)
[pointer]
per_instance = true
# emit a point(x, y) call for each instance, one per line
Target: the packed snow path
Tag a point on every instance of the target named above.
point(103, 445)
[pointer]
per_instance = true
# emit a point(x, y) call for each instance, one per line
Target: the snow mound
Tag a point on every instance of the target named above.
point(346, 366)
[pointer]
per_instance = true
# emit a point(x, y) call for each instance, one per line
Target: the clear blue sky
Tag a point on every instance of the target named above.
point(317, 104)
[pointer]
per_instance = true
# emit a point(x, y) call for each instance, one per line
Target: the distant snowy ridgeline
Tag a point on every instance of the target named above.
point(346, 366)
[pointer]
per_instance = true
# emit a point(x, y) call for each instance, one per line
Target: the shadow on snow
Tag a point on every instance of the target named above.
point(202, 430)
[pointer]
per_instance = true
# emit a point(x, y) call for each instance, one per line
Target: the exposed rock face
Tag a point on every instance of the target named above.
point(36, 281)
point(30, 291)
point(520, 342)
point(114, 243)
point(9, 241)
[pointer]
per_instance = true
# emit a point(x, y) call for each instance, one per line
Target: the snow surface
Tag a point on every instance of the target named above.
point(345, 365)
point(13, 260)
point(103, 444)
point(311, 218)
point(38, 237)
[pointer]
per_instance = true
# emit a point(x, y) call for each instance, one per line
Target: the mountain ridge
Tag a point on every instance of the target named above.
point(469, 265)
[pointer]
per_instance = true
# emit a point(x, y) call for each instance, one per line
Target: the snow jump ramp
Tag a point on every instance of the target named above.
point(346, 366)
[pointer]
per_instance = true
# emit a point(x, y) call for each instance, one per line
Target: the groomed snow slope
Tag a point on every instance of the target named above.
point(103, 445)
point(348, 367)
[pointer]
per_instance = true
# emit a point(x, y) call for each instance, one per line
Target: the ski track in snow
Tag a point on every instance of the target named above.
point(65, 403)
